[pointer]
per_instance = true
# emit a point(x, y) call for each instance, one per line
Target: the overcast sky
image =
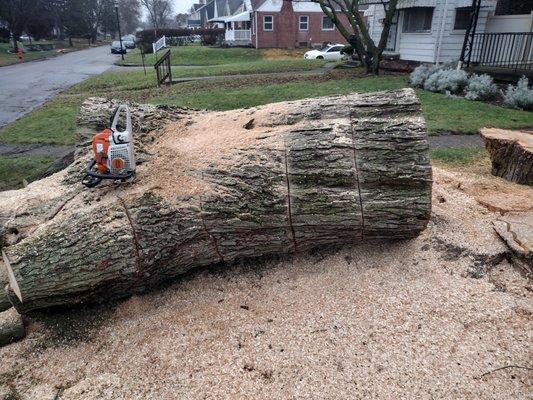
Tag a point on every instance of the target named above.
point(181, 6)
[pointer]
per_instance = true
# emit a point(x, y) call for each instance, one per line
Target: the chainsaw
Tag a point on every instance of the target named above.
point(113, 152)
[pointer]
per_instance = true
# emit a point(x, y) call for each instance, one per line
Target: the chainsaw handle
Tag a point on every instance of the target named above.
point(116, 116)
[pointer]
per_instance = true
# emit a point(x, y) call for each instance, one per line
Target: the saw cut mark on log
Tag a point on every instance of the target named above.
point(135, 237)
point(308, 174)
point(11, 277)
point(209, 235)
point(289, 206)
point(356, 169)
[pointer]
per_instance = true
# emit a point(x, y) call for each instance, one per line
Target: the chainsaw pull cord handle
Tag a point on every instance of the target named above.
point(115, 118)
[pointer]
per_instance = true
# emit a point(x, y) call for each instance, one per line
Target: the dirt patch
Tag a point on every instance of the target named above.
point(392, 320)
point(283, 54)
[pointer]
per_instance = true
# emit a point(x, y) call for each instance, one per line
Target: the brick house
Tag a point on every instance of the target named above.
point(275, 23)
point(289, 24)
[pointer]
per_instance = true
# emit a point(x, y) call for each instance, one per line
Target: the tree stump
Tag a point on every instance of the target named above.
point(222, 186)
point(511, 153)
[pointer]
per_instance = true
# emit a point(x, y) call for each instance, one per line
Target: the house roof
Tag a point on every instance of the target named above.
point(405, 3)
point(297, 5)
point(244, 16)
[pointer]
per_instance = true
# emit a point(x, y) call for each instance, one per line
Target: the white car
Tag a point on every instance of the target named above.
point(330, 52)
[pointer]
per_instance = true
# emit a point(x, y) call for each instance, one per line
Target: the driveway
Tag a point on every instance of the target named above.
point(24, 87)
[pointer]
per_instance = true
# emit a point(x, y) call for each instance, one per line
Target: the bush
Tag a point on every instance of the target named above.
point(446, 80)
point(209, 40)
point(481, 87)
point(520, 96)
point(420, 74)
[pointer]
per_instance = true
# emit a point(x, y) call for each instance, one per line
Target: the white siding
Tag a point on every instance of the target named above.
point(423, 47)
point(452, 40)
point(510, 23)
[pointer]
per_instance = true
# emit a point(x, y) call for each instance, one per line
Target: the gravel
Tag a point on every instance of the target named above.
point(430, 318)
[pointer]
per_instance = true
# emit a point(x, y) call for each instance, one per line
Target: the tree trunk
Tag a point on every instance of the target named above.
point(511, 153)
point(15, 43)
point(222, 186)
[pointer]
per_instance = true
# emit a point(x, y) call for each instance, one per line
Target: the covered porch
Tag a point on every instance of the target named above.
point(238, 29)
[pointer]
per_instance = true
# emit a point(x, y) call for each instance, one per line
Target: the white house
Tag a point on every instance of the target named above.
point(428, 30)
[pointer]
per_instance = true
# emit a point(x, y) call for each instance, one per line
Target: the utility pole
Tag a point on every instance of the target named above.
point(119, 34)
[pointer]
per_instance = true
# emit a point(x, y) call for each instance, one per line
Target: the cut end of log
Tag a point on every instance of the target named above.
point(511, 153)
point(11, 277)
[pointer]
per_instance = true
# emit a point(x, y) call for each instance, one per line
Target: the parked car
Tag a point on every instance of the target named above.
point(129, 44)
point(129, 38)
point(116, 49)
point(330, 52)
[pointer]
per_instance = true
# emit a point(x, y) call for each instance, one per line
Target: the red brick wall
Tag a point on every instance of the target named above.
point(286, 33)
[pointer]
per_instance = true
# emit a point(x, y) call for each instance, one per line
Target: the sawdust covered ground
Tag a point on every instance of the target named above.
point(430, 318)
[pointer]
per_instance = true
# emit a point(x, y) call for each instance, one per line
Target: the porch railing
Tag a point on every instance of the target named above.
point(512, 51)
point(238, 34)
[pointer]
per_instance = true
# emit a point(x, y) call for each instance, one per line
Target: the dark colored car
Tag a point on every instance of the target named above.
point(116, 49)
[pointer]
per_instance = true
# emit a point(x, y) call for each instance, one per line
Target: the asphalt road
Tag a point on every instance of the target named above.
point(26, 86)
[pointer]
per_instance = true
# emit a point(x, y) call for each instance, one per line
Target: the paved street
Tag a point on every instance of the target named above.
point(26, 86)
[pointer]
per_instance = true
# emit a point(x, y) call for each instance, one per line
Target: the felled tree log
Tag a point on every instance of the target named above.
point(11, 327)
point(511, 153)
point(23, 212)
point(95, 113)
point(231, 185)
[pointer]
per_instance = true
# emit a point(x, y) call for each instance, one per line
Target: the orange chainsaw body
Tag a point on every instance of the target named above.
point(101, 148)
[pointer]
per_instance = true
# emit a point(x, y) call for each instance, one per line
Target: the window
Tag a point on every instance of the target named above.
point(514, 7)
point(417, 19)
point(462, 18)
point(327, 24)
point(335, 49)
point(268, 23)
point(304, 23)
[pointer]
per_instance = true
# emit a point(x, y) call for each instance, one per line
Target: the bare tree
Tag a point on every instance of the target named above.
point(346, 16)
point(130, 14)
point(158, 11)
point(14, 12)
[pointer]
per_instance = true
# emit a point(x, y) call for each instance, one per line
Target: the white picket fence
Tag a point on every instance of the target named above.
point(159, 44)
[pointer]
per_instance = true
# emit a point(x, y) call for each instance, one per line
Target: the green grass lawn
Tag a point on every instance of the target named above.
point(198, 55)
point(54, 123)
point(13, 169)
point(7, 58)
point(458, 156)
point(136, 79)
point(204, 55)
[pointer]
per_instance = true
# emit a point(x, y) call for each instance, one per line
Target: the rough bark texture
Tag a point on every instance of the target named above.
point(511, 153)
point(96, 112)
point(223, 186)
point(11, 327)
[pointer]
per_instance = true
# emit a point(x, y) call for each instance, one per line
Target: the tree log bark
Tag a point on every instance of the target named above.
point(221, 186)
point(511, 153)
